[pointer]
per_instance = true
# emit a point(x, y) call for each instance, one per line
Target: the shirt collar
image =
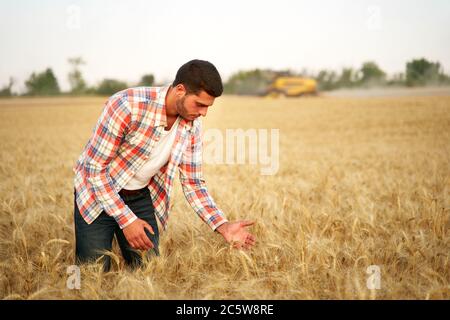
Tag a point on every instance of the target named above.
point(161, 119)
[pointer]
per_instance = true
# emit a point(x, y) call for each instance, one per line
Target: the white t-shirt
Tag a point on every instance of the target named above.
point(158, 158)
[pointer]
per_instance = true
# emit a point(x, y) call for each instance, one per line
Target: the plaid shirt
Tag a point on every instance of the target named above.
point(131, 123)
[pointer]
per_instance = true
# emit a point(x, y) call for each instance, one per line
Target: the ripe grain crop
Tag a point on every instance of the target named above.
point(361, 182)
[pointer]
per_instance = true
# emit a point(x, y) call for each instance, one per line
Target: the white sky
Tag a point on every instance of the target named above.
point(126, 39)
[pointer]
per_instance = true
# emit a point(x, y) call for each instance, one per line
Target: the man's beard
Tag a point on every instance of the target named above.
point(181, 108)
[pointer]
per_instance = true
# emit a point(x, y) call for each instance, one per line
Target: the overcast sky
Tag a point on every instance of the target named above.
point(126, 39)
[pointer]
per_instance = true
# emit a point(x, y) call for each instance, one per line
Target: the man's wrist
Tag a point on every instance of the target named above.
point(220, 229)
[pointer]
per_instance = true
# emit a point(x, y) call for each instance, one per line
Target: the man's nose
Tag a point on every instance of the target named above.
point(203, 112)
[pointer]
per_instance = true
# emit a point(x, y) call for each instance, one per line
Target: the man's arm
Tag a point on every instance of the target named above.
point(102, 149)
point(194, 188)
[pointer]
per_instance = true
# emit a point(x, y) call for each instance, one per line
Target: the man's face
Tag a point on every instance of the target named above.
point(191, 106)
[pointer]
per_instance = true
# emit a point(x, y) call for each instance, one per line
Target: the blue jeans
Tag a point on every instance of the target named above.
point(92, 240)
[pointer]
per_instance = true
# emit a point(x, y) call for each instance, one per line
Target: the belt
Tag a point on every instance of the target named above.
point(125, 192)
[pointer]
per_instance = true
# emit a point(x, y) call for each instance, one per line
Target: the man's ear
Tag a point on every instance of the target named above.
point(180, 90)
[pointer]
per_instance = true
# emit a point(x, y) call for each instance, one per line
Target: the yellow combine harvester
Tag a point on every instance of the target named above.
point(292, 87)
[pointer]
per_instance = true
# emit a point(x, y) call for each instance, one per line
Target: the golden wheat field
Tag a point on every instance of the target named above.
point(361, 182)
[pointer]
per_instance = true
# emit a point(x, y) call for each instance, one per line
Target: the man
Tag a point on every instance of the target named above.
point(124, 176)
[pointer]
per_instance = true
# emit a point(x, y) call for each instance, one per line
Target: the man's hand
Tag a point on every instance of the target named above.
point(235, 232)
point(136, 236)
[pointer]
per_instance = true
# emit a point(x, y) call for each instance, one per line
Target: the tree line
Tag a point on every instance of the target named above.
point(418, 72)
point(45, 83)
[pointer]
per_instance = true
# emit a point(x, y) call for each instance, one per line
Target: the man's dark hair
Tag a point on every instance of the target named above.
point(197, 75)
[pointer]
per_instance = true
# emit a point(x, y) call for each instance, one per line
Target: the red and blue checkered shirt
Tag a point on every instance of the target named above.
point(131, 123)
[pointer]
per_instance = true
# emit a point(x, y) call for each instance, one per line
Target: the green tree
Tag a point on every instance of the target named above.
point(147, 80)
point(420, 72)
point(327, 80)
point(371, 74)
point(6, 90)
point(250, 82)
point(77, 83)
point(43, 83)
point(348, 78)
point(110, 86)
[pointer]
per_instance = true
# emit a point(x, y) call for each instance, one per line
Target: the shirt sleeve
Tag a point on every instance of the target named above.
point(194, 186)
point(102, 149)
